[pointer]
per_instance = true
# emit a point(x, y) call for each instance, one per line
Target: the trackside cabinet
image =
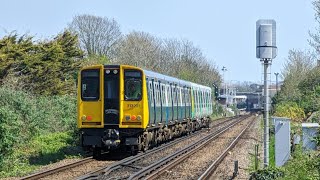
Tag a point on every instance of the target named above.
point(282, 140)
point(310, 131)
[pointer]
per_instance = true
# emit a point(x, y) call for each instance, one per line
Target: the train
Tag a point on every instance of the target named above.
point(127, 107)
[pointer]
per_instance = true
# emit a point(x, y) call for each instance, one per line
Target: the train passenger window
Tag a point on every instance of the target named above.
point(133, 85)
point(174, 96)
point(169, 96)
point(90, 85)
point(151, 93)
point(178, 96)
point(187, 96)
point(163, 94)
point(157, 95)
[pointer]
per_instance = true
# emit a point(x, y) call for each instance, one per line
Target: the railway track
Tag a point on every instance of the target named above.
point(211, 169)
point(58, 169)
point(97, 173)
point(156, 169)
point(134, 167)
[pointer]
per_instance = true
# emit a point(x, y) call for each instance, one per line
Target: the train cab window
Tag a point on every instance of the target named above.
point(133, 85)
point(90, 84)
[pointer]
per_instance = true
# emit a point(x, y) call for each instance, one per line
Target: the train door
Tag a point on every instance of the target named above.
point(185, 101)
point(154, 102)
point(150, 101)
point(160, 100)
point(111, 96)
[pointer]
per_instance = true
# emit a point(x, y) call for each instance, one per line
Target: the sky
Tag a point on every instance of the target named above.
point(223, 30)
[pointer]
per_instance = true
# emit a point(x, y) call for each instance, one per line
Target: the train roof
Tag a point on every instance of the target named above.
point(153, 74)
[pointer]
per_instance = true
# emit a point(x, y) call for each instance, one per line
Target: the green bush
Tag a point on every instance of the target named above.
point(27, 118)
point(290, 110)
point(302, 165)
point(9, 128)
point(267, 174)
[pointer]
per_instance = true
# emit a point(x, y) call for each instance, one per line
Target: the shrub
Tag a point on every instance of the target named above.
point(290, 110)
point(267, 174)
point(24, 116)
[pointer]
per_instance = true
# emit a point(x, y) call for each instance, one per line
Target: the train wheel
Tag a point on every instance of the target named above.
point(96, 153)
point(133, 150)
point(145, 142)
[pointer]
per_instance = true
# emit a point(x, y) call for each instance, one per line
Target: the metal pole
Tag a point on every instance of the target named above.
point(276, 81)
point(266, 114)
point(224, 69)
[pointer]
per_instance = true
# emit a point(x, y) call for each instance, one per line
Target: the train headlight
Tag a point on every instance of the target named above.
point(139, 118)
point(108, 71)
point(84, 117)
point(115, 71)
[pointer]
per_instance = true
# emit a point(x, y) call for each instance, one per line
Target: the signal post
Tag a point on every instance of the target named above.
point(266, 50)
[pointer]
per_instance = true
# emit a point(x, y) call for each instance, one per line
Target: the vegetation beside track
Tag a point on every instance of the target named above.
point(35, 130)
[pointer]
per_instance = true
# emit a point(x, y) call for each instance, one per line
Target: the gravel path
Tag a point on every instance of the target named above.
point(195, 165)
point(72, 173)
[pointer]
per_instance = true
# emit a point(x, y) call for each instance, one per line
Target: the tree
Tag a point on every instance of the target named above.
point(45, 67)
point(315, 37)
point(177, 58)
point(296, 68)
point(97, 35)
point(139, 49)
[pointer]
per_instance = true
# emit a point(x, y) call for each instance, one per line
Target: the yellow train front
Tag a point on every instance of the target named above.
point(125, 106)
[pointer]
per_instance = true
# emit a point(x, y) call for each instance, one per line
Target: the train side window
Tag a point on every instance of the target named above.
point(195, 98)
point(163, 96)
point(151, 92)
point(174, 96)
point(158, 94)
point(90, 85)
point(183, 97)
point(178, 96)
point(133, 85)
point(169, 96)
point(187, 96)
point(155, 93)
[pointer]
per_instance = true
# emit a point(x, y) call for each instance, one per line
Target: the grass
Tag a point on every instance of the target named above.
point(42, 150)
point(272, 155)
point(302, 165)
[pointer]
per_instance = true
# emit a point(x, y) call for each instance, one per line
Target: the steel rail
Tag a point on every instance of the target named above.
point(45, 173)
point(127, 161)
point(172, 160)
point(207, 174)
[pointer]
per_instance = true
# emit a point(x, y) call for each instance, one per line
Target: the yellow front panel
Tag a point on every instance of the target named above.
point(135, 109)
point(90, 113)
